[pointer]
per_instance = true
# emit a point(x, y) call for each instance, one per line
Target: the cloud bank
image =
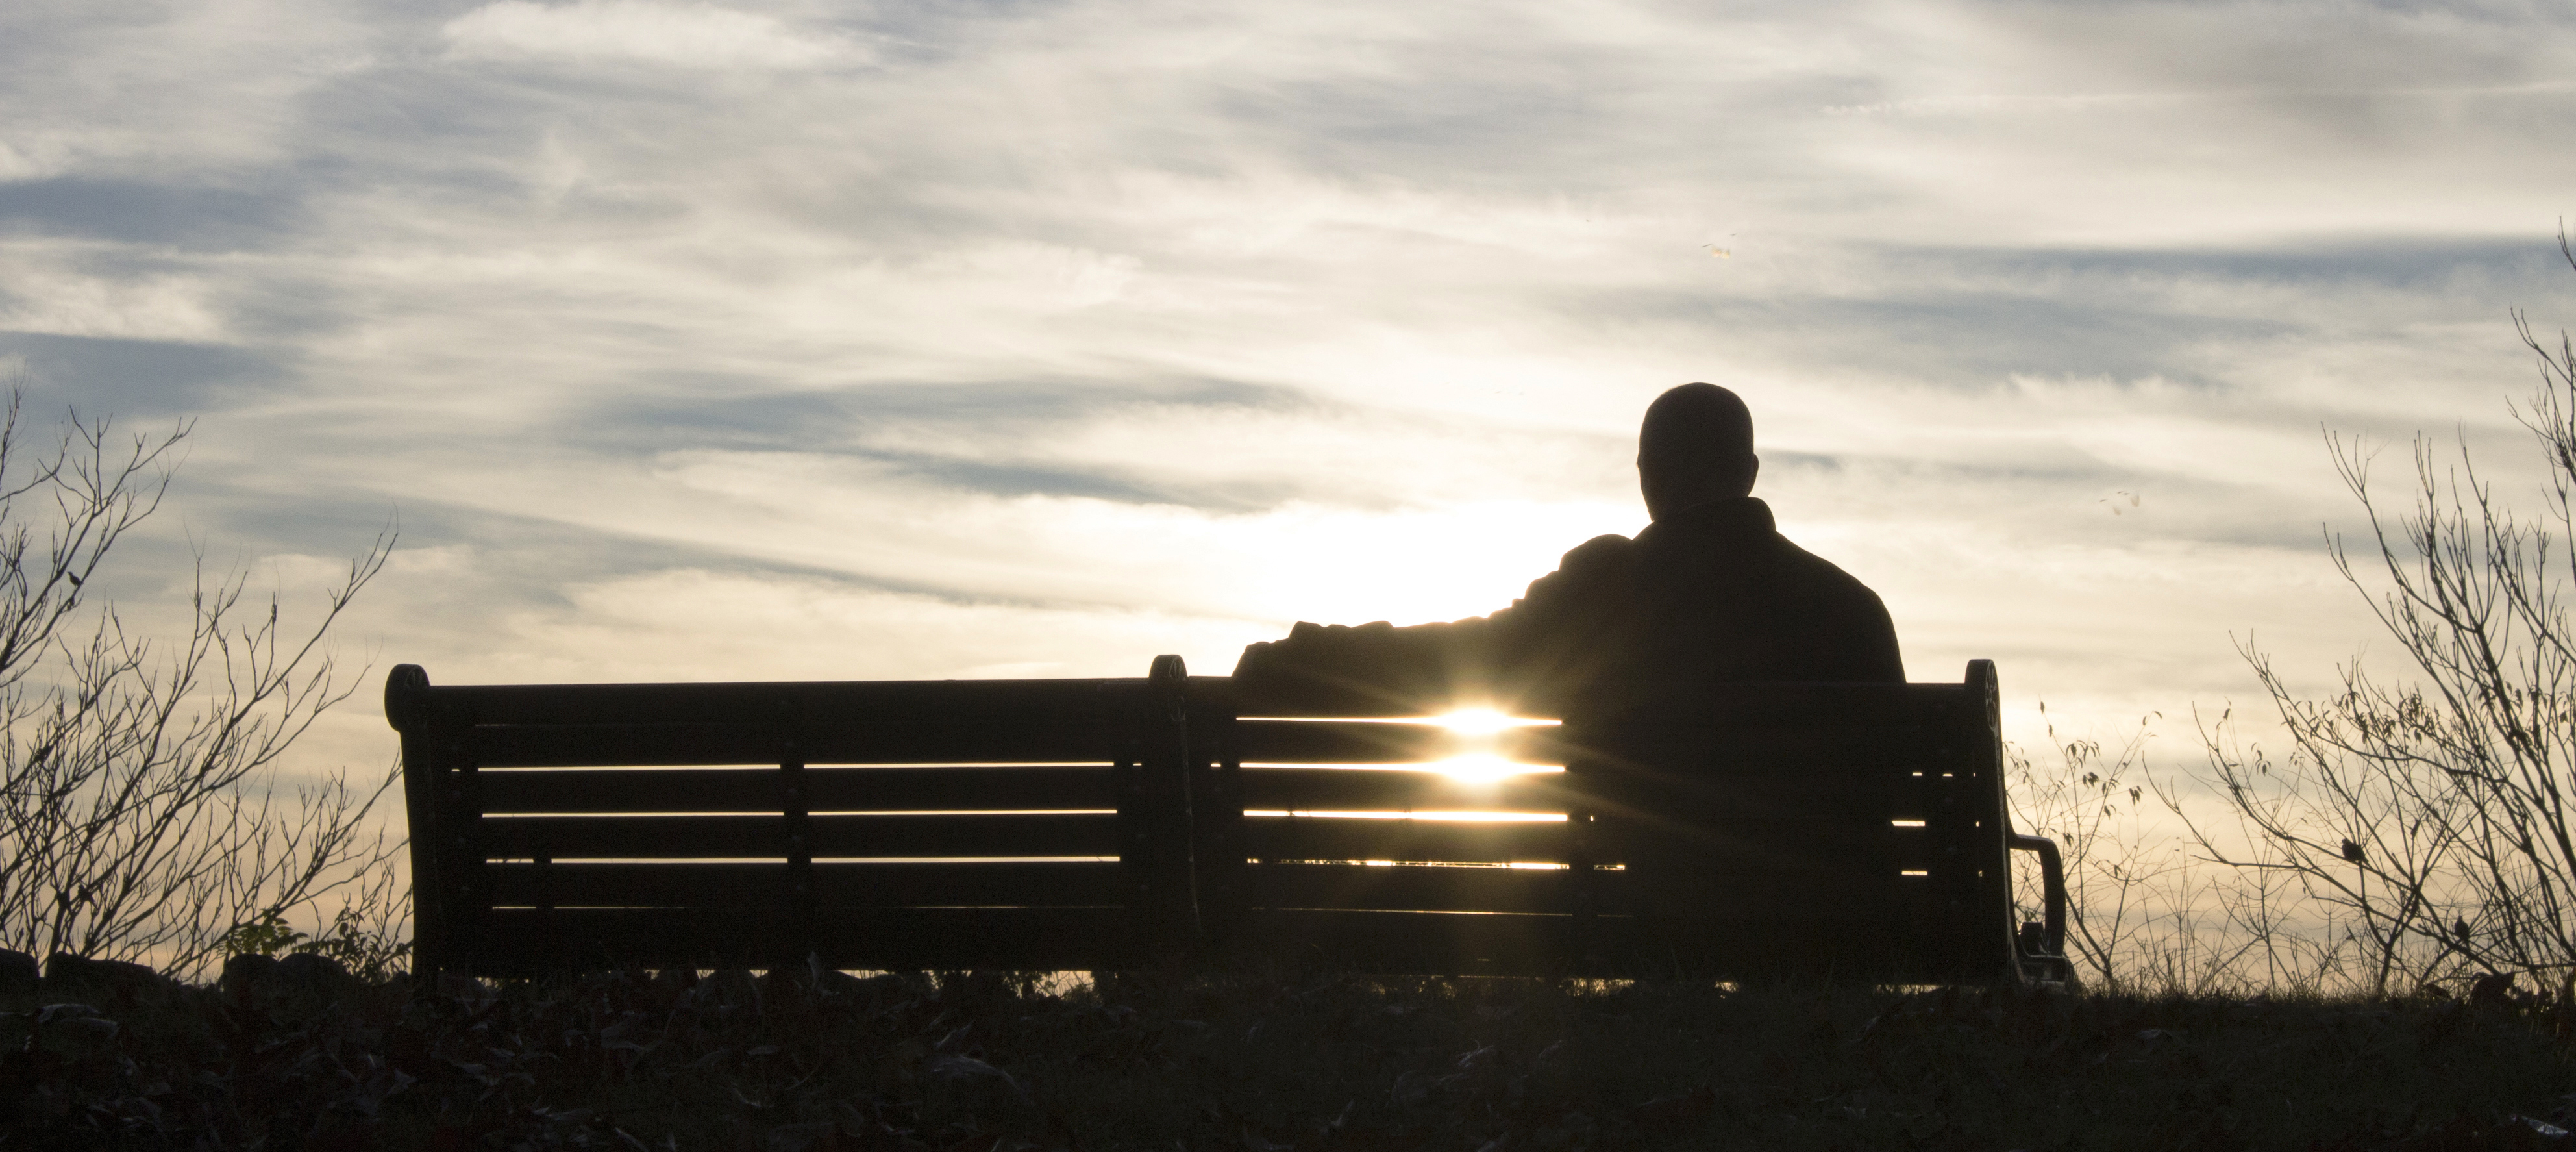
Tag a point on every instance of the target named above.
point(802, 339)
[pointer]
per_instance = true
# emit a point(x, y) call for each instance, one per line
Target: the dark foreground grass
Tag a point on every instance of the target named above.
point(1261, 1062)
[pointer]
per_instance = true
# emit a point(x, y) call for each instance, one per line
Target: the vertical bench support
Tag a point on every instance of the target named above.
point(795, 808)
point(408, 709)
point(1987, 928)
point(1216, 813)
point(443, 803)
point(1159, 838)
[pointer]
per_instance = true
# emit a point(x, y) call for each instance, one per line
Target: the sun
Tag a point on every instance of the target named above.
point(1477, 722)
point(1480, 756)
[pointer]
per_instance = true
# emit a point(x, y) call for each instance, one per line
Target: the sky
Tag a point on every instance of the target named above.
point(688, 341)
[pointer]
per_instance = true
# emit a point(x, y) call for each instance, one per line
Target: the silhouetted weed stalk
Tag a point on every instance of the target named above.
point(2151, 911)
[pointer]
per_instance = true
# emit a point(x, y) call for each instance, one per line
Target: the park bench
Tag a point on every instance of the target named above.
point(1732, 831)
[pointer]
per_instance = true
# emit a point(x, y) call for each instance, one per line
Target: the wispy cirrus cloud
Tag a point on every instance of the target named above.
point(682, 35)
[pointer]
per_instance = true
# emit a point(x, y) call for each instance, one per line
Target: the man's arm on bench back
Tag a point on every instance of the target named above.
point(1557, 634)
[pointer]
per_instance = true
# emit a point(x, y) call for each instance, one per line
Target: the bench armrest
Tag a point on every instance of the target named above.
point(2052, 886)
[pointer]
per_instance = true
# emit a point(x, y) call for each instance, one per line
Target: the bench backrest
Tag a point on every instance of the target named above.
point(1716, 829)
point(1728, 830)
point(920, 824)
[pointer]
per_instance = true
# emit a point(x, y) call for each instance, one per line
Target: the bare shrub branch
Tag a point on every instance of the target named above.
point(143, 816)
point(2430, 816)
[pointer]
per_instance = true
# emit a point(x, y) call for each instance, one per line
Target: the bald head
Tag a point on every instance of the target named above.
point(1696, 448)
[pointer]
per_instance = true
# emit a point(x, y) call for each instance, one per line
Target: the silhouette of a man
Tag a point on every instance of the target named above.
point(1708, 592)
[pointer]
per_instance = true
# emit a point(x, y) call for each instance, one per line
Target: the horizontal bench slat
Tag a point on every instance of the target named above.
point(1001, 788)
point(981, 885)
point(1741, 796)
point(1465, 943)
point(1842, 750)
point(1777, 705)
point(638, 745)
point(1537, 945)
point(1855, 801)
point(525, 942)
point(1749, 895)
point(1342, 742)
point(1406, 888)
point(818, 701)
point(1835, 754)
point(1753, 893)
point(1397, 790)
point(1336, 838)
point(1723, 845)
point(1799, 707)
point(979, 788)
point(670, 837)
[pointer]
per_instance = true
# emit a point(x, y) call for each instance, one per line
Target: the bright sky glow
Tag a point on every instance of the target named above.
point(771, 339)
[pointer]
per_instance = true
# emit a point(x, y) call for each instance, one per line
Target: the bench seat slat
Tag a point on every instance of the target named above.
point(670, 837)
point(1337, 838)
point(826, 789)
point(979, 885)
point(1724, 845)
point(524, 942)
point(908, 742)
point(1406, 888)
point(1756, 893)
point(1743, 891)
point(1848, 947)
point(1465, 943)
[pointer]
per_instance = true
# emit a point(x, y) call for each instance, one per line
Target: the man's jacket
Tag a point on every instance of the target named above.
point(1712, 593)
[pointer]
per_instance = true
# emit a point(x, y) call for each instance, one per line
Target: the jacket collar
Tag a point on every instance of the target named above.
point(1733, 520)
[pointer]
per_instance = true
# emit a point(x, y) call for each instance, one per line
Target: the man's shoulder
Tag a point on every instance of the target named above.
point(1604, 551)
point(1808, 570)
point(1584, 571)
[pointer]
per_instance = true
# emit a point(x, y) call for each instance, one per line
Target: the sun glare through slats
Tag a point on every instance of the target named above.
point(1480, 759)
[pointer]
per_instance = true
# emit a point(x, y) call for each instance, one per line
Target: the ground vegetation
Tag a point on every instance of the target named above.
point(1264, 1059)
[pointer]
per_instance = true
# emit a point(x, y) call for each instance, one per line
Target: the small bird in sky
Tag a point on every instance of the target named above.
point(1719, 250)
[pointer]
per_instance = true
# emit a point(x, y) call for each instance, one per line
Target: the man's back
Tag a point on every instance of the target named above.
point(1708, 592)
point(1725, 597)
point(1713, 594)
